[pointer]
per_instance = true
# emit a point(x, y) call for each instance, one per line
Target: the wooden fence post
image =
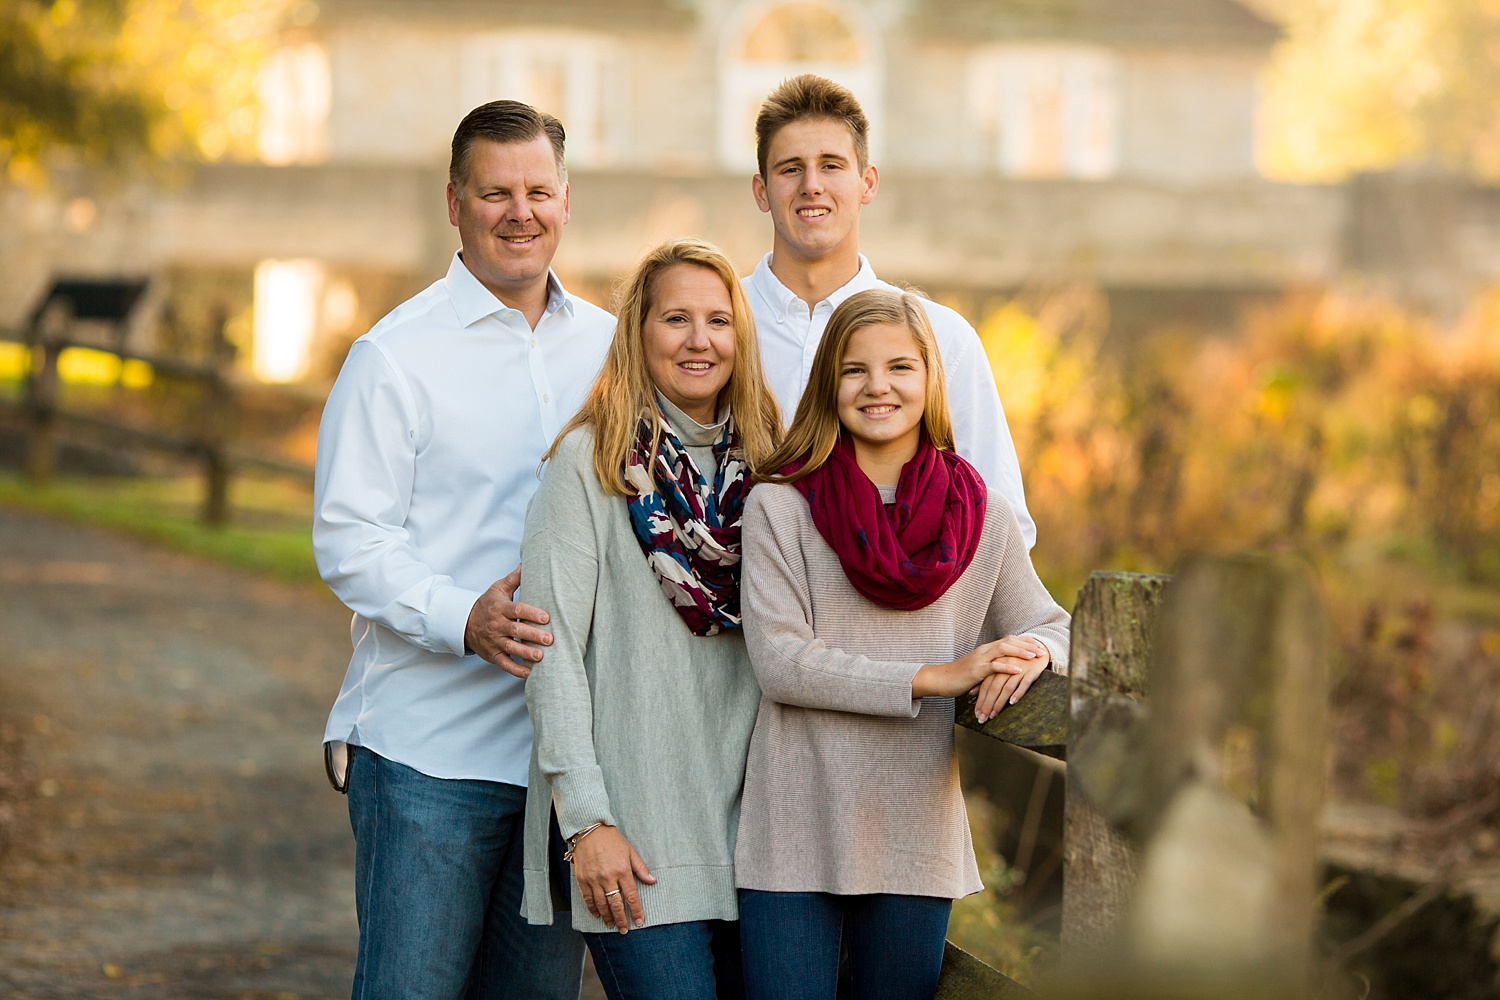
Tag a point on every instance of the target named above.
point(1192, 821)
point(43, 338)
point(218, 404)
point(1111, 645)
point(1233, 778)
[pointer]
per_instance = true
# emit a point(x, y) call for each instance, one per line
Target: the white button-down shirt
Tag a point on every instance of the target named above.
point(427, 457)
point(789, 336)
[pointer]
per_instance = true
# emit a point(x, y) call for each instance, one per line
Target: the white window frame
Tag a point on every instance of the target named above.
point(504, 65)
point(295, 91)
point(1007, 84)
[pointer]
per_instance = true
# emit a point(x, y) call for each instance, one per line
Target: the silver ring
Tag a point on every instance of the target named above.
point(614, 892)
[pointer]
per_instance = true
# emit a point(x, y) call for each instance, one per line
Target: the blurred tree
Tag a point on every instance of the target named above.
point(130, 80)
point(1367, 84)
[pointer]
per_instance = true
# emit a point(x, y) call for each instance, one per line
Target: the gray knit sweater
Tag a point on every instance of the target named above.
point(851, 785)
point(639, 723)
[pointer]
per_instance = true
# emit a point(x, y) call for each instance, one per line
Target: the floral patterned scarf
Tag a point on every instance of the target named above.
point(688, 529)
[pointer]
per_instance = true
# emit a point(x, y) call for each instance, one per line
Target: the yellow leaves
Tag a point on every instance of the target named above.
point(1422, 412)
point(83, 366)
point(1021, 351)
point(1365, 84)
point(1328, 419)
point(119, 80)
point(15, 362)
point(62, 12)
point(1277, 394)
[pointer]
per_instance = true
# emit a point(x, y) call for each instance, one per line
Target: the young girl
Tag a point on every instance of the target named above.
point(881, 580)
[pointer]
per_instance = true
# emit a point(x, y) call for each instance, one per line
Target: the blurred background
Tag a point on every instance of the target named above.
point(1236, 266)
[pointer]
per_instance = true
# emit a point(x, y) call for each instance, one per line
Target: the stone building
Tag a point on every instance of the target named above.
point(1020, 142)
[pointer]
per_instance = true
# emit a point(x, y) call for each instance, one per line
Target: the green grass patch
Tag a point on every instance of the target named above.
point(270, 529)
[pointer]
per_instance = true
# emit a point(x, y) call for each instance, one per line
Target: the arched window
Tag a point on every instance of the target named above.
point(765, 43)
point(801, 33)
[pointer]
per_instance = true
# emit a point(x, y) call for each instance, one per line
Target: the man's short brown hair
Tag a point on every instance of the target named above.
point(504, 121)
point(805, 97)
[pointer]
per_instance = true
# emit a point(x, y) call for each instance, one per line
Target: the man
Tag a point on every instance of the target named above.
point(427, 456)
point(812, 142)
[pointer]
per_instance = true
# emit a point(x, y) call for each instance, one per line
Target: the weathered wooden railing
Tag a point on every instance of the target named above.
point(208, 440)
point(1190, 844)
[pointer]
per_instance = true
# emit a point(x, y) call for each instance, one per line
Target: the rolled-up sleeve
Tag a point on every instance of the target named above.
point(367, 446)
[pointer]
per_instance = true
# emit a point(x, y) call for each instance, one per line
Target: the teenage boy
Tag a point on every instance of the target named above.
point(427, 455)
point(812, 143)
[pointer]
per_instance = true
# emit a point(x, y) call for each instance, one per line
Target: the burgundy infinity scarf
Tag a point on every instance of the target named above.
point(908, 556)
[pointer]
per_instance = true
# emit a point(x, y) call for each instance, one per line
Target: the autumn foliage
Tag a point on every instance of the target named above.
point(1339, 426)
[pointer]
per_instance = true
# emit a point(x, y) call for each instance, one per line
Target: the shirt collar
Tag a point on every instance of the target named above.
point(784, 300)
point(473, 302)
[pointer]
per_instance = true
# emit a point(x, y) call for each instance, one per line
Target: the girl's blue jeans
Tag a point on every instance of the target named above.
point(790, 943)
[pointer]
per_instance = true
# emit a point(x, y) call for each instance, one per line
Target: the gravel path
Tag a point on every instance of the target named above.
point(170, 834)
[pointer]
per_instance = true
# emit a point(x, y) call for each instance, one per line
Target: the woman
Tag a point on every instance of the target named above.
point(881, 581)
point(644, 703)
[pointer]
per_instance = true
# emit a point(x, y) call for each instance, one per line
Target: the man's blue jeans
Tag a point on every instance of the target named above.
point(694, 960)
point(790, 942)
point(437, 869)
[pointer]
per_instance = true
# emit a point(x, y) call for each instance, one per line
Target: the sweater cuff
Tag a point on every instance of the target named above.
point(1059, 650)
point(448, 617)
point(580, 800)
point(895, 691)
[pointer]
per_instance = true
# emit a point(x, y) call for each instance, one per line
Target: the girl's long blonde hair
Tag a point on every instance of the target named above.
point(815, 428)
point(624, 394)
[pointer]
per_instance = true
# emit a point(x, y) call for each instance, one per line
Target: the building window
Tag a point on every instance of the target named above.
point(571, 76)
point(767, 43)
point(1047, 111)
point(295, 91)
point(287, 297)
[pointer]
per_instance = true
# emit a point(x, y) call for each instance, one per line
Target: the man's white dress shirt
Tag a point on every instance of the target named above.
point(427, 457)
point(789, 336)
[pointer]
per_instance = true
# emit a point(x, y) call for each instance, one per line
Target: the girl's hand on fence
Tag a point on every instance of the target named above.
point(954, 679)
point(607, 867)
point(1006, 688)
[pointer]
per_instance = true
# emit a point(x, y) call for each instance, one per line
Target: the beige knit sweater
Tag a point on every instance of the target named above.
point(851, 785)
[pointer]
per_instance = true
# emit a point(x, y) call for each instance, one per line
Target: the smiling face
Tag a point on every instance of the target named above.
point(510, 211)
point(689, 338)
point(814, 188)
point(882, 393)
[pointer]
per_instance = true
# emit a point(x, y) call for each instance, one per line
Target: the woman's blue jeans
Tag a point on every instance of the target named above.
point(790, 942)
point(695, 960)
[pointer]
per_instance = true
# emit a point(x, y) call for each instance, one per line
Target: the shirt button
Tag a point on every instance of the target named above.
point(533, 341)
point(546, 398)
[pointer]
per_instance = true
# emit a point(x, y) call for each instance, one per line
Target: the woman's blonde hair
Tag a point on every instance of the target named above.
point(815, 428)
point(623, 393)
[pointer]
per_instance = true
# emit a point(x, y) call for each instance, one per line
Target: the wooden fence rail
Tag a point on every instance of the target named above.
point(210, 441)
